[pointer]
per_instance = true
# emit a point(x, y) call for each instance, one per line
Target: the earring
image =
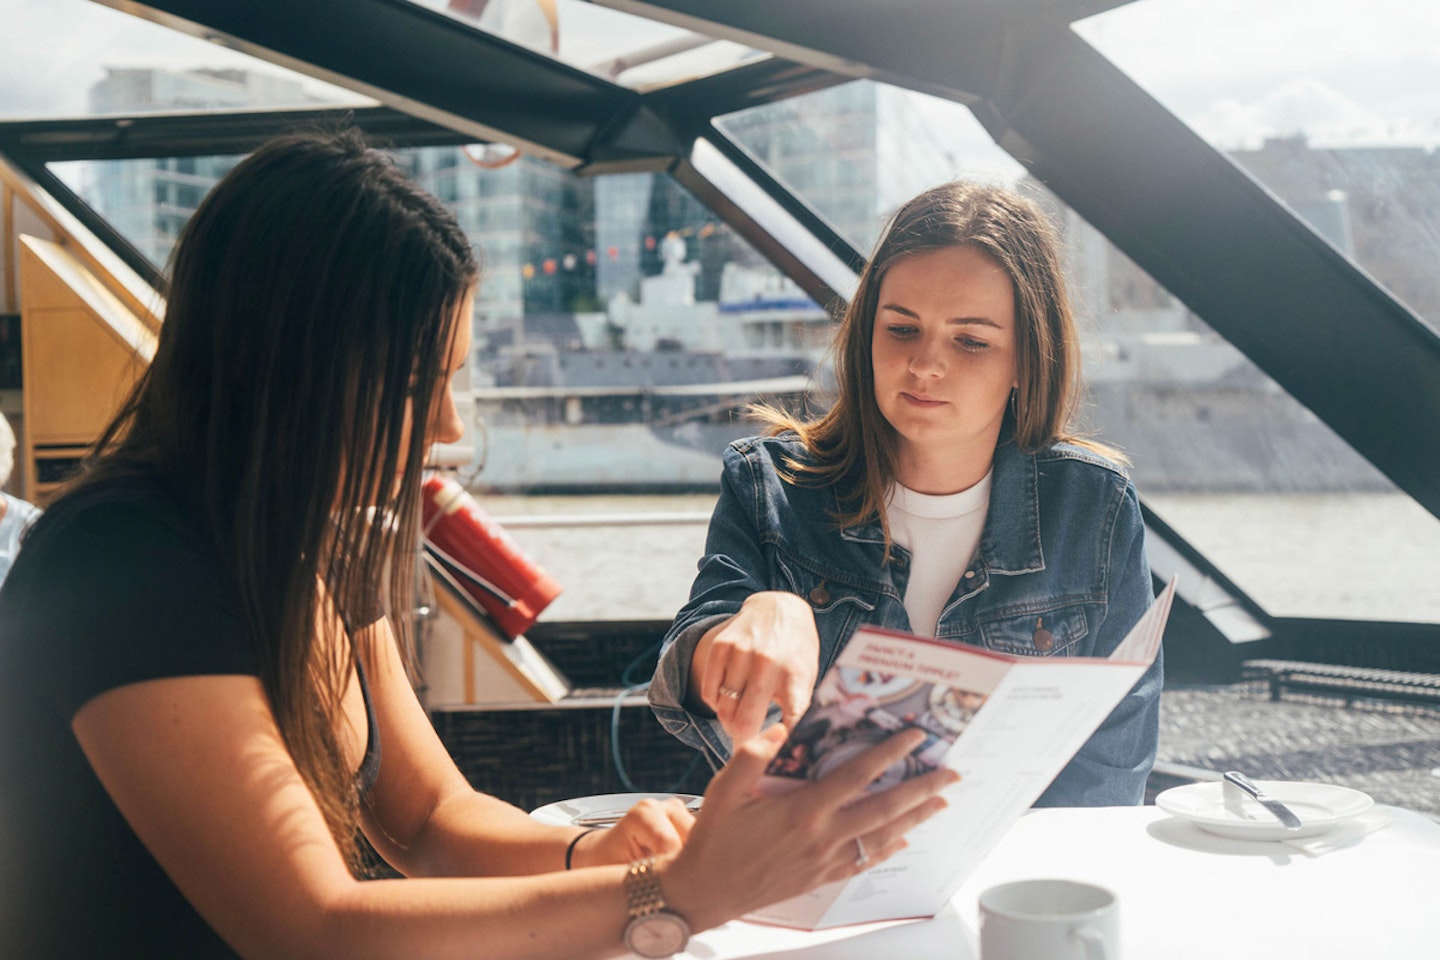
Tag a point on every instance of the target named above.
point(1015, 402)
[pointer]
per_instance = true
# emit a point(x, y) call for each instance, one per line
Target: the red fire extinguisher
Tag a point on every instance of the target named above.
point(482, 557)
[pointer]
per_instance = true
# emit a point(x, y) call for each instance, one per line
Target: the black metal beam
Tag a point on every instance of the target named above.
point(427, 64)
point(690, 107)
point(209, 134)
point(32, 145)
point(1411, 647)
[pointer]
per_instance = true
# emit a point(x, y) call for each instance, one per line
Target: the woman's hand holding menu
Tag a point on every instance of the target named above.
point(747, 851)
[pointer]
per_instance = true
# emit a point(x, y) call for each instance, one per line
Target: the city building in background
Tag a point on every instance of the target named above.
point(855, 152)
point(148, 201)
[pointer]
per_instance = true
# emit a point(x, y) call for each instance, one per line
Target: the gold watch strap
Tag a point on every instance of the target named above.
point(642, 888)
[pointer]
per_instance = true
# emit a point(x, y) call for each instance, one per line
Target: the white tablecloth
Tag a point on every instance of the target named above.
point(1183, 894)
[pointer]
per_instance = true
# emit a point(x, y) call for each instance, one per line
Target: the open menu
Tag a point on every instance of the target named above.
point(1008, 724)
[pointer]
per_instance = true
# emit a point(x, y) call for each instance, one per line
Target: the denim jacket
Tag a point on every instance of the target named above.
point(1063, 541)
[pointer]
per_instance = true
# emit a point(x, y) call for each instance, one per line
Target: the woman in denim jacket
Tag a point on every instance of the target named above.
point(944, 493)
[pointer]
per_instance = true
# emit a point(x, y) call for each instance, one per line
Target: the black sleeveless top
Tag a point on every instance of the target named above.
point(114, 585)
point(370, 763)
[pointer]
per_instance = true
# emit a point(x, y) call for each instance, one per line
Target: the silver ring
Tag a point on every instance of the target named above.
point(728, 692)
point(862, 859)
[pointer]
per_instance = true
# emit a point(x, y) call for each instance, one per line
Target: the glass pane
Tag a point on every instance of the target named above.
point(65, 58)
point(619, 325)
point(146, 201)
point(1332, 106)
point(629, 50)
point(619, 328)
point(856, 151)
point(1251, 478)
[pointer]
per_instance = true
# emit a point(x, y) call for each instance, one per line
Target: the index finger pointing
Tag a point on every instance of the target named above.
point(794, 699)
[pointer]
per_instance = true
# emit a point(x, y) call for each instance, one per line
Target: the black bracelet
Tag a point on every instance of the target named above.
point(570, 850)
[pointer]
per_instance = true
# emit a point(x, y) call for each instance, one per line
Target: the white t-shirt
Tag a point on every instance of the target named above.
point(941, 533)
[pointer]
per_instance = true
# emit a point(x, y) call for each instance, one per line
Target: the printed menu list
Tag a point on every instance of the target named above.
point(1007, 724)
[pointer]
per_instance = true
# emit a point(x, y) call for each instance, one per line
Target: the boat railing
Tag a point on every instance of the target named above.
point(552, 520)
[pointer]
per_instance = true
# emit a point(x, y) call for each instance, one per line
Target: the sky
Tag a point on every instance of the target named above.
point(52, 51)
point(1344, 72)
point(1340, 71)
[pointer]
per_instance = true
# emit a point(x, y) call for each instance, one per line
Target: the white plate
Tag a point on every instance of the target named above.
point(1320, 807)
point(565, 812)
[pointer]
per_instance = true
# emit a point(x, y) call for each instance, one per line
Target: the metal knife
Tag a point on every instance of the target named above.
point(1281, 812)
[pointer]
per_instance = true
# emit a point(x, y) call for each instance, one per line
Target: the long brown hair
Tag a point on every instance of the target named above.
point(310, 311)
point(851, 445)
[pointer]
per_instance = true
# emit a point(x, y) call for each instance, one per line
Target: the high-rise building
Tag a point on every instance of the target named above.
point(533, 225)
point(849, 151)
point(149, 200)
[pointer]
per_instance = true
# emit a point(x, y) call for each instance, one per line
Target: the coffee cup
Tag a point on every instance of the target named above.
point(1054, 919)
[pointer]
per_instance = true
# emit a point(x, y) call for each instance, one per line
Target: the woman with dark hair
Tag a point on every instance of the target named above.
point(946, 493)
point(203, 705)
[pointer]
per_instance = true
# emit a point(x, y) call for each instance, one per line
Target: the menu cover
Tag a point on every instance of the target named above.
point(1008, 724)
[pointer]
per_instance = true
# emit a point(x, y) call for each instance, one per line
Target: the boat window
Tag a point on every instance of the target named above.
point(115, 63)
point(581, 274)
point(1330, 105)
point(632, 51)
point(1248, 476)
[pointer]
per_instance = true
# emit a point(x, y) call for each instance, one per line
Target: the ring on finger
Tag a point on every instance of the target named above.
point(862, 857)
point(730, 692)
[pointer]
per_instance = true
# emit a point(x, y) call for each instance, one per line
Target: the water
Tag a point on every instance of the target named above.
point(1342, 556)
point(1345, 556)
point(628, 570)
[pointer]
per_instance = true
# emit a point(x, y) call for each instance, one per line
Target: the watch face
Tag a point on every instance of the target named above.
point(660, 934)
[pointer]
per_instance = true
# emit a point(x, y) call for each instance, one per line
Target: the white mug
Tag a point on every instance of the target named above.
point(1053, 919)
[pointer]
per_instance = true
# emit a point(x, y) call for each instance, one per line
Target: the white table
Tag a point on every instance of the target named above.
point(1183, 894)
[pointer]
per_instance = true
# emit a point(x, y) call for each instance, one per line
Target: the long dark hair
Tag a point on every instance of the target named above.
point(310, 311)
point(852, 445)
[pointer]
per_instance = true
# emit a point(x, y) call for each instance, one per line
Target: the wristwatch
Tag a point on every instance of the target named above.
point(653, 932)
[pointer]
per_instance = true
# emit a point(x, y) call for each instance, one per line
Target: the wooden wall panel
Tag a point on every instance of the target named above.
point(83, 350)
